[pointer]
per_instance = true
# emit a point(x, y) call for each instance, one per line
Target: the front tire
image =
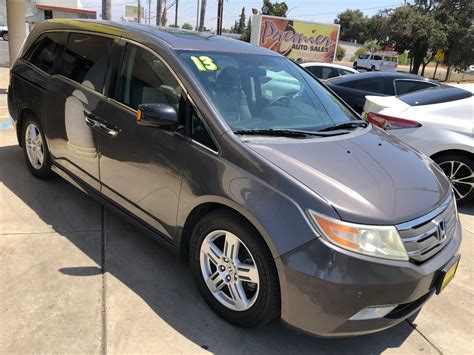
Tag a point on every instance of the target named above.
point(460, 171)
point(35, 149)
point(5, 36)
point(234, 270)
point(354, 66)
point(372, 68)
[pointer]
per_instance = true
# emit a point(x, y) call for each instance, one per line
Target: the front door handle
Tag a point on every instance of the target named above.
point(96, 123)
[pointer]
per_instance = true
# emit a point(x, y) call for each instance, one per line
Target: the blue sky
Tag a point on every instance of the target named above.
point(310, 10)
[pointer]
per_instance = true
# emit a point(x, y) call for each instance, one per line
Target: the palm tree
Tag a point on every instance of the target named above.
point(203, 15)
point(159, 10)
point(106, 9)
point(164, 18)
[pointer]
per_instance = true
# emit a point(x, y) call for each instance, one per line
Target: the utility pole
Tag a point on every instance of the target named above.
point(176, 14)
point(202, 19)
point(139, 12)
point(197, 16)
point(149, 12)
point(106, 10)
point(220, 11)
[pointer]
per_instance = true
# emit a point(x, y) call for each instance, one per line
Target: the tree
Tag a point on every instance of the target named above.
point(276, 8)
point(372, 46)
point(106, 9)
point(358, 53)
point(241, 23)
point(164, 18)
point(202, 15)
point(456, 15)
point(159, 10)
point(248, 31)
point(354, 26)
point(187, 26)
point(416, 30)
point(340, 53)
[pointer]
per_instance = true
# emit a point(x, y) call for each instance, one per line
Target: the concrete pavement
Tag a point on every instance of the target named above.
point(74, 277)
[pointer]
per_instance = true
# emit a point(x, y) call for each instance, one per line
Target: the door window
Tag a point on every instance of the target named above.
point(406, 86)
point(199, 132)
point(145, 79)
point(42, 53)
point(86, 58)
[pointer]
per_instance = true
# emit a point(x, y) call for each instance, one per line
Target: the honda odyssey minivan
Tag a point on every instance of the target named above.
point(283, 201)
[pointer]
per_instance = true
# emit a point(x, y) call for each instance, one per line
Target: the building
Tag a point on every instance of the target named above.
point(39, 10)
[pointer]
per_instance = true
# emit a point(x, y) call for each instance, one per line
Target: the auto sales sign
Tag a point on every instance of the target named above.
point(301, 41)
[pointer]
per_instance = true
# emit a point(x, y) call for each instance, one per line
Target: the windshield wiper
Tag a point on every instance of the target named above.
point(345, 125)
point(287, 133)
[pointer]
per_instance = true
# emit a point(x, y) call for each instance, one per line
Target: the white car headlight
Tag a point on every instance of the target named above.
point(378, 241)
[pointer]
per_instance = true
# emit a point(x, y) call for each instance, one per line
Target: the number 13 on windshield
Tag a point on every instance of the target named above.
point(204, 63)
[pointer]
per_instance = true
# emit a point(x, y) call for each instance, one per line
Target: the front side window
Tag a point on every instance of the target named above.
point(43, 52)
point(86, 59)
point(264, 92)
point(145, 79)
point(199, 131)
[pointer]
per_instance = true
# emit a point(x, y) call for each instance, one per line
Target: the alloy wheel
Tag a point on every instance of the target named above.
point(229, 270)
point(34, 146)
point(461, 177)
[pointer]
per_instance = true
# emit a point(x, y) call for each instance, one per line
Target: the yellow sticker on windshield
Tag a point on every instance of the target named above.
point(204, 63)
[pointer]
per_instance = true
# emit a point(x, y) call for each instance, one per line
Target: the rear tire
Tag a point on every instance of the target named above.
point(460, 171)
point(5, 36)
point(35, 149)
point(212, 252)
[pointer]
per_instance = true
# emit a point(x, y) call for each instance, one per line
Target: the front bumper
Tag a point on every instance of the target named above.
point(323, 286)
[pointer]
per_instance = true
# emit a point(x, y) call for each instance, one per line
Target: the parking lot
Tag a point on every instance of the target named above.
point(74, 277)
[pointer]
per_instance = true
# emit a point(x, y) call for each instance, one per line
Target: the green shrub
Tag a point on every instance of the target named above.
point(340, 53)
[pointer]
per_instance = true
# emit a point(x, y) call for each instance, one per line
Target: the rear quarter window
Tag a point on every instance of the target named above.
point(46, 50)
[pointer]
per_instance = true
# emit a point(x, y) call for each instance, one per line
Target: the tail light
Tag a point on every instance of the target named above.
point(387, 122)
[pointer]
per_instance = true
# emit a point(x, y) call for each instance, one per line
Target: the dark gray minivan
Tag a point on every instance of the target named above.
point(284, 202)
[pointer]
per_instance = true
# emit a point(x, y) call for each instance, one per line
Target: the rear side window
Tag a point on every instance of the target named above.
point(406, 86)
point(344, 72)
point(323, 72)
point(45, 50)
point(86, 58)
point(377, 57)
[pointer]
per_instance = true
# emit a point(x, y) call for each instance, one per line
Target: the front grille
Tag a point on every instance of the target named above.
point(424, 237)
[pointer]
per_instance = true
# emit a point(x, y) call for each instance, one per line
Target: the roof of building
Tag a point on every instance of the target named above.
point(65, 9)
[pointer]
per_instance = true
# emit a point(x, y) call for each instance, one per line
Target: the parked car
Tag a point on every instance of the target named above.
point(376, 61)
point(328, 70)
point(354, 88)
point(286, 205)
point(437, 122)
point(4, 32)
point(470, 69)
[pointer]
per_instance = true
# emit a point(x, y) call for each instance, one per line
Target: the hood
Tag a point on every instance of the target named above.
point(367, 176)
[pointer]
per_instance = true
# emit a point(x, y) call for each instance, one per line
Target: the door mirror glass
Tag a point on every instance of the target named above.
point(158, 115)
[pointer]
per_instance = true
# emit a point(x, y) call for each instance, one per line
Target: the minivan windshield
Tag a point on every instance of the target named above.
point(257, 92)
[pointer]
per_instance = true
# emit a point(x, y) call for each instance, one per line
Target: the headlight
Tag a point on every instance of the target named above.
point(379, 241)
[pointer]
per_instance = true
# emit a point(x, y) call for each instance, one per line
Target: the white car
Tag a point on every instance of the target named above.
point(4, 32)
point(376, 61)
point(327, 70)
point(439, 123)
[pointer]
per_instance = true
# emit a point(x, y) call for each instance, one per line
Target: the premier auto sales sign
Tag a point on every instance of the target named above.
point(298, 40)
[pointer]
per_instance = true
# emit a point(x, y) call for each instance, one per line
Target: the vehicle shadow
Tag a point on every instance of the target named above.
point(153, 274)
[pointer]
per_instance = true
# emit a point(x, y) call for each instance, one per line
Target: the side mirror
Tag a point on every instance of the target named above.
point(158, 115)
